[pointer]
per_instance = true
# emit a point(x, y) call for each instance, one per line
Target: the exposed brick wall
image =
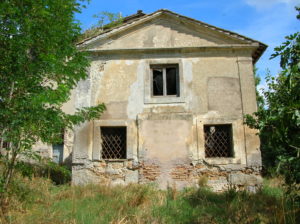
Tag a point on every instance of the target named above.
point(149, 172)
point(124, 172)
point(182, 173)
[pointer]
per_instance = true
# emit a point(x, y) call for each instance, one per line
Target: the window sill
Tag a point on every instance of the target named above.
point(164, 99)
point(167, 96)
point(114, 160)
point(223, 160)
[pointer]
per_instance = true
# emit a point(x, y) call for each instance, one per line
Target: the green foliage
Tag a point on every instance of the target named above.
point(58, 174)
point(39, 66)
point(259, 97)
point(279, 121)
point(108, 20)
point(105, 21)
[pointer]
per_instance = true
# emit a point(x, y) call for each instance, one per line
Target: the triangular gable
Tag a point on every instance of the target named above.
point(165, 29)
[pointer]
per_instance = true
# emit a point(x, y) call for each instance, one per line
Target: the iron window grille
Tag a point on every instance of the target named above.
point(113, 142)
point(218, 140)
point(165, 80)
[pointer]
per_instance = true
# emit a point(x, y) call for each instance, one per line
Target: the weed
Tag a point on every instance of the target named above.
point(39, 201)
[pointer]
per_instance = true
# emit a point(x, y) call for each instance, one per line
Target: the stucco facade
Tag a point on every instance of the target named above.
point(165, 139)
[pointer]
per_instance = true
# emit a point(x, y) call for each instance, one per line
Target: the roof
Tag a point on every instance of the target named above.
point(139, 16)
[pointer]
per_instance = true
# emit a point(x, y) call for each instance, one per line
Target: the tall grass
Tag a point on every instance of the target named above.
point(39, 201)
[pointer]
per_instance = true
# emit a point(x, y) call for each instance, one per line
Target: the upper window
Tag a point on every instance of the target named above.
point(165, 80)
point(218, 140)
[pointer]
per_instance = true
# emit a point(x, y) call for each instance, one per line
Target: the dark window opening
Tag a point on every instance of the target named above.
point(158, 82)
point(171, 74)
point(58, 150)
point(218, 140)
point(165, 80)
point(5, 145)
point(113, 142)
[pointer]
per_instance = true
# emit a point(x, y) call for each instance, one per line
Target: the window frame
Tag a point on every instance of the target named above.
point(238, 140)
point(124, 156)
point(60, 148)
point(230, 140)
point(164, 69)
point(148, 82)
point(131, 141)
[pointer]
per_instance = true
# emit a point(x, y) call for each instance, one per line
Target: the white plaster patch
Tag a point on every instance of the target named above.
point(135, 99)
point(211, 114)
point(188, 70)
point(195, 60)
point(96, 75)
point(188, 78)
point(129, 62)
point(83, 92)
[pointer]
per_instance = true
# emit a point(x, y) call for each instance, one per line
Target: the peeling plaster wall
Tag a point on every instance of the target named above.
point(165, 136)
point(169, 140)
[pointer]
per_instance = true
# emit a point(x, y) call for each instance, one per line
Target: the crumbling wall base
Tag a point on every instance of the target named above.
point(218, 177)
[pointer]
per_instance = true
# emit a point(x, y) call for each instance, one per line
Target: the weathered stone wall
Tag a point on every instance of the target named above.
point(106, 172)
point(46, 150)
point(219, 178)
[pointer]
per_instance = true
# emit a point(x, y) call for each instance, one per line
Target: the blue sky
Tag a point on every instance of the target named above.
point(268, 21)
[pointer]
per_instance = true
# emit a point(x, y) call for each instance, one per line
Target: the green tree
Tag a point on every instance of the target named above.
point(259, 97)
point(39, 66)
point(105, 20)
point(279, 121)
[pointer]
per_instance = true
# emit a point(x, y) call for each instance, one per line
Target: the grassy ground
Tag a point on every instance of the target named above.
point(39, 201)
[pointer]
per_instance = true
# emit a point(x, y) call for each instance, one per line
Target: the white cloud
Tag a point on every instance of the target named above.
point(263, 86)
point(263, 4)
point(271, 25)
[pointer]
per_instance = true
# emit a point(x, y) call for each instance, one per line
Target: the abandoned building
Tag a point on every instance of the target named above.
point(176, 91)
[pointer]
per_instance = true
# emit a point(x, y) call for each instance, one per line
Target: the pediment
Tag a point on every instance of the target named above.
point(163, 31)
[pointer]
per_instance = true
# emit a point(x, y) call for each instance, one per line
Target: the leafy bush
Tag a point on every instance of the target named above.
point(58, 174)
point(279, 121)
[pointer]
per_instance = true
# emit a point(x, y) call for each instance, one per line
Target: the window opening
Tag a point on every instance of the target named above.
point(113, 142)
point(58, 150)
point(5, 145)
point(165, 80)
point(158, 82)
point(218, 140)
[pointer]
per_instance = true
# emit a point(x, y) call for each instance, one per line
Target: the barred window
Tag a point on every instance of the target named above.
point(113, 142)
point(218, 140)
